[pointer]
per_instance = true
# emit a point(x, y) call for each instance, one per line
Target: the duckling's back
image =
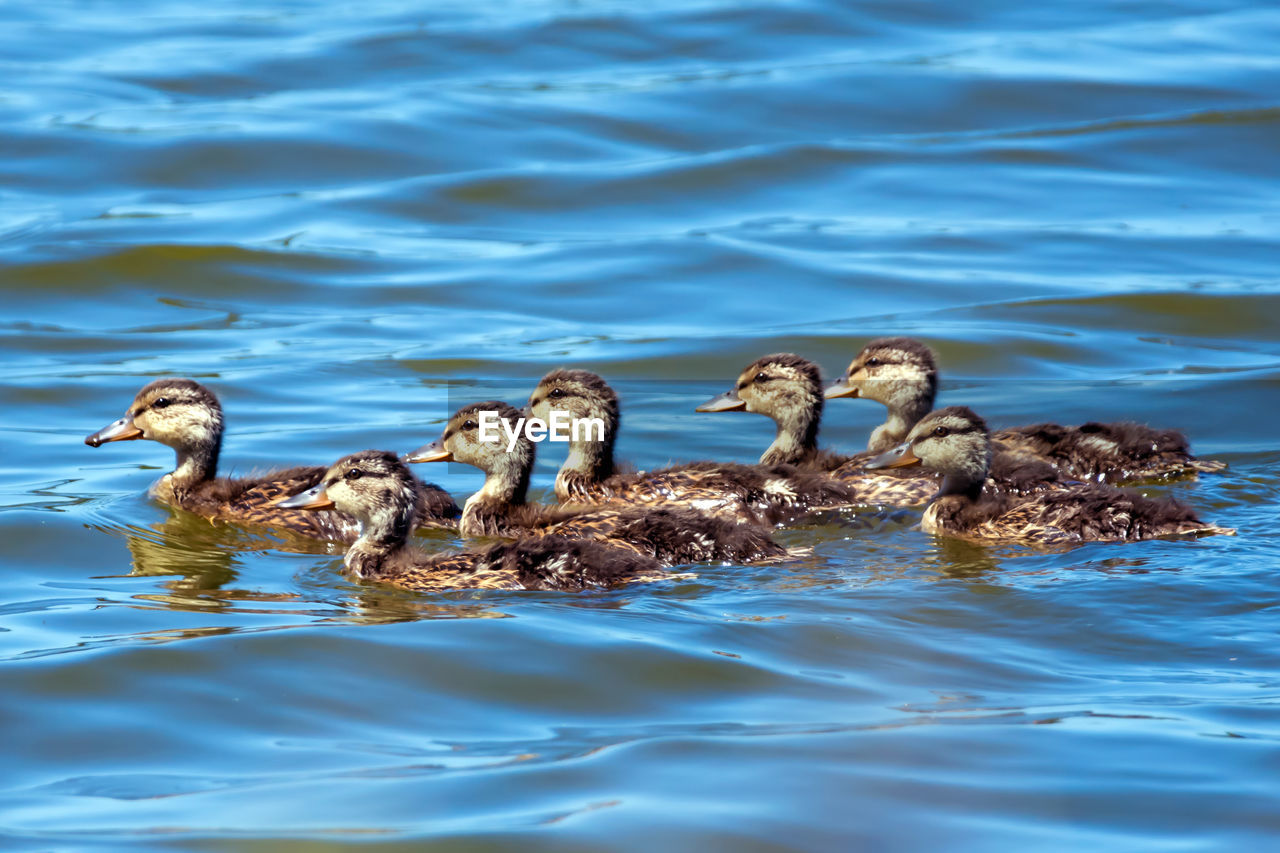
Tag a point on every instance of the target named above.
point(763, 493)
point(1108, 452)
point(251, 500)
point(540, 562)
point(1068, 515)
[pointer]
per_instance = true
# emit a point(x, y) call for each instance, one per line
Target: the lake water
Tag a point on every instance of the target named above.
point(349, 218)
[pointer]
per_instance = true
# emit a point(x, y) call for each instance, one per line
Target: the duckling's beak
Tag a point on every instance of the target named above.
point(729, 401)
point(313, 498)
point(433, 452)
point(840, 388)
point(121, 430)
point(899, 457)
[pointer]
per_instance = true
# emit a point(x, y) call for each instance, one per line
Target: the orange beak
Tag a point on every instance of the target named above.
point(899, 457)
point(729, 401)
point(313, 498)
point(433, 452)
point(121, 430)
point(840, 388)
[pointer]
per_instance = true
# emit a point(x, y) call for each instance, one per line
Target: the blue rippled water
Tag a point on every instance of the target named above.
point(349, 218)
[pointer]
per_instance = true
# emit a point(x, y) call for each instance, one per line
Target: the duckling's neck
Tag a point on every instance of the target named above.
point(964, 476)
point(197, 463)
point(590, 457)
point(506, 486)
point(367, 561)
point(797, 437)
point(904, 411)
point(383, 534)
point(959, 485)
point(507, 481)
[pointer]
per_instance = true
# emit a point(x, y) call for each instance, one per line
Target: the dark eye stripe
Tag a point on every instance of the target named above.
point(952, 430)
point(165, 402)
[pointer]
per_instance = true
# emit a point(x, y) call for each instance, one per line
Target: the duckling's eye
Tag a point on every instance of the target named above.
point(354, 474)
point(873, 362)
point(941, 432)
point(162, 403)
point(761, 377)
point(556, 393)
point(469, 425)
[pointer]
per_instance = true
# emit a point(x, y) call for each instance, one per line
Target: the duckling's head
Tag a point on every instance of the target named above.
point(786, 388)
point(372, 485)
point(581, 393)
point(953, 441)
point(360, 484)
point(901, 373)
point(180, 413)
point(781, 386)
point(488, 435)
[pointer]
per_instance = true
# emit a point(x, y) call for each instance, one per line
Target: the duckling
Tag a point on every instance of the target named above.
point(789, 390)
point(187, 416)
point(772, 493)
point(902, 374)
point(376, 488)
point(955, 442)
point(674, 535)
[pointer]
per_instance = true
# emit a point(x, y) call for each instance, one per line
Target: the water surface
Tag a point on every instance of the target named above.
point(347, 218)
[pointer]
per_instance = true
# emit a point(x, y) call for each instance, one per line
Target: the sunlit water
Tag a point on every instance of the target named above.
point(347, 218)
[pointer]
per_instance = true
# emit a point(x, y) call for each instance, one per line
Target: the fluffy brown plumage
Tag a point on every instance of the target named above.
point(771, 493)
point(788, 389)
point(955, 442)
point(674, 535)
point(902, 373)
point(1109, 452)
point(187, 416)
point(378, 489)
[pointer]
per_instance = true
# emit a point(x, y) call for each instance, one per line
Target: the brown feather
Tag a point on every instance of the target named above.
point(377, 488)
point(905, 381)
point(1110, 452)
point(760, 493)
point(1085, 513)
point(791, 394)
point(955, 442)
point(185, 415)
point(771, 494)
point(672, 534)
point(548, 563)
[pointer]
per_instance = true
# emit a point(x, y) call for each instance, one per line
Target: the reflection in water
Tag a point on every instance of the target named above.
point(188, 545)
point(202, 559)
point(201, 553)
point(385, 605)
point(960, 559)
